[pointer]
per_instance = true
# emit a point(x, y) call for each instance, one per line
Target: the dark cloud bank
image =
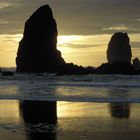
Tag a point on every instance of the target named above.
point(84, 17)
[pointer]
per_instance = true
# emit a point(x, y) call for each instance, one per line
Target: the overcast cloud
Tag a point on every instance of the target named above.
point(83, 17)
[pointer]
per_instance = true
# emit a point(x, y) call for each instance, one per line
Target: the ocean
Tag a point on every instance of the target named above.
point(73, 88)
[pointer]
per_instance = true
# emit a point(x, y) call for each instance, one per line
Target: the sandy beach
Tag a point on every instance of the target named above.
point(68, 120)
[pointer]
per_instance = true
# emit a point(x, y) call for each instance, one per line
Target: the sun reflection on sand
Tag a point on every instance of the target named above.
point(82, 109)
point(9, 111)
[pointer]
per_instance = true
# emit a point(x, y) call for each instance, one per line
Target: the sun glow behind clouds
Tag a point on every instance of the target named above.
point(86, 40)
point(83, 50)
point(79, 49)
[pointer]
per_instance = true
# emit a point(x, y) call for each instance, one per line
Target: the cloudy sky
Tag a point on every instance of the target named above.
point(92, 22)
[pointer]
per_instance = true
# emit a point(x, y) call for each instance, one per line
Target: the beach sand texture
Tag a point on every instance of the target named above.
point(75, 120)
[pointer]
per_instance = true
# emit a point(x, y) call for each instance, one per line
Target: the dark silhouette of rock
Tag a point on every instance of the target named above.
point(71, 69)
point(118, 55)
point(119, 48)
point(115, 68)
point(7, 73)
point(136, 65)
point(37, 50)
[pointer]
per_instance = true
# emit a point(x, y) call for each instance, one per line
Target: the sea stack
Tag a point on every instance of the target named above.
point(119, 49)
point(136, 65)
point(118, 55)
point(37, 50)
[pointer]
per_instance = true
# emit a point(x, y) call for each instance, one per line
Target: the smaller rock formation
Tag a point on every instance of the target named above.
point(118, 55)
point(37, 50)
point(7, 73)
point(136, 64)
point(119, 49)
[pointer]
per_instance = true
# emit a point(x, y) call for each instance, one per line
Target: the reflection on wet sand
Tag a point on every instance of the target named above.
point(40, 118)
point(37, 120)
point(120, 110)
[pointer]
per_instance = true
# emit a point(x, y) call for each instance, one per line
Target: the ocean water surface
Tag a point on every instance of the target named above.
point(81, 88)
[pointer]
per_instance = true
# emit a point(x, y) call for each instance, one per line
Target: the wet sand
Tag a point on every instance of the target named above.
point(33, 120)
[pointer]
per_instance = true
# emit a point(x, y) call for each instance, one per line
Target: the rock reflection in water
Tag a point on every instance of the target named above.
point(40, 118)
point(120, 110)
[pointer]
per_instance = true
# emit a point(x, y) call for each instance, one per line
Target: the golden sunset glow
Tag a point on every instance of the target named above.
point(88, 50)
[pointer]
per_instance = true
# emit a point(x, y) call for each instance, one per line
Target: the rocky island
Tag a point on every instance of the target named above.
point(37, 51)
point(118, 55)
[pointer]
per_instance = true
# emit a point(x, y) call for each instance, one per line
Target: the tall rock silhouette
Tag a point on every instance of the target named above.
point(119, 49)
point(37, 50)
